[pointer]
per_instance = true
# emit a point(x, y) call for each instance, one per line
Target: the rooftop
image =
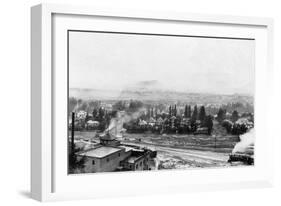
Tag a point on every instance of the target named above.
point(135, 157)
point(126, 148)
point(100, 152)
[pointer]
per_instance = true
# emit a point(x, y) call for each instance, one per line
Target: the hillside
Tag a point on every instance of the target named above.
point(154, 91)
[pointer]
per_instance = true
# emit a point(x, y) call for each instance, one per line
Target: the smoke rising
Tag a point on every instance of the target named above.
point(133, 116)
point(115, 128)
point(246, 144)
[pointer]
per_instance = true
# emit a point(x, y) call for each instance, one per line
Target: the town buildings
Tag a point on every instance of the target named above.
point(110, 155)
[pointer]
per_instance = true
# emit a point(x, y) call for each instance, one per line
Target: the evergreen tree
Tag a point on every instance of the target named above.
point(107, 118)
point(193, 125)
point(175, 111)
point(202, 114)
point(101, 113)
point(235, 116)
point(209, 123)
point(87, 117)
point(134, 105)
point(95, 112)
point(189, 111)
point(227, 124)
point(185, 111)
point(120, 105)
point(194, 114)
point(221, 115)
point(170, 110)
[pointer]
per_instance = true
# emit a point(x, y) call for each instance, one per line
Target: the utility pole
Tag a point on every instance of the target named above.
point(72, 132)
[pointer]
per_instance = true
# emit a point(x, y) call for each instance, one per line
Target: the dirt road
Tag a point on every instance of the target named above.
point(169, 158)
point(176, 158)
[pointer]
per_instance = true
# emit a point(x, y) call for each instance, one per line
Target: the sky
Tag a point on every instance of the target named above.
point(111, 61)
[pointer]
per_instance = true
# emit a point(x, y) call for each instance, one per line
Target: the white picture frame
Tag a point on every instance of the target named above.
point(49, 181)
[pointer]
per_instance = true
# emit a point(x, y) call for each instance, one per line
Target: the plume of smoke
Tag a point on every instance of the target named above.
point(133, 116)
point(246, 143)
point(115, 127)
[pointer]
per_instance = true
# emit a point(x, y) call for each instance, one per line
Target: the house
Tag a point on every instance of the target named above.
point(142, 123)
point(202, 130)
point(246, 122)
point(92, 124)
point(138, 160)
point(185, 121)
point(106, 106)
point(81, 115)
point(159, 121)
point(103, 158)
point(151, 121)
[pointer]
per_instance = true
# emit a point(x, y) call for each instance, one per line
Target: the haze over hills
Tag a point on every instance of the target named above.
point(154, 91)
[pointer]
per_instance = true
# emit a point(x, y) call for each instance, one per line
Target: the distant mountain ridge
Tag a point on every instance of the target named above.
point(144, 94)
point(153, 90)
point(204, 98)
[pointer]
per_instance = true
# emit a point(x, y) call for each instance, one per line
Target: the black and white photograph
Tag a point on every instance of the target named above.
point(140, 102)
